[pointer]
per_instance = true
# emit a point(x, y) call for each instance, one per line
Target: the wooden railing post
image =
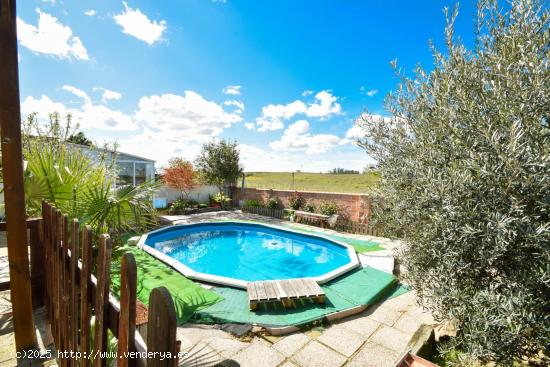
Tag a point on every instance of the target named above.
point(12, 168)
point(102, 298)
point(161, 328)
point(85, 295)
point(127, 320)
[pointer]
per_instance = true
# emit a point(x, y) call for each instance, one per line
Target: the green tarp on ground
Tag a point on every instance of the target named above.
point(188, 296)
point(360, 246)
point(360, 287)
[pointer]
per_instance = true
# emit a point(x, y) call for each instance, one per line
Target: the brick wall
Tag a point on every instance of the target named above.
point(356, 206)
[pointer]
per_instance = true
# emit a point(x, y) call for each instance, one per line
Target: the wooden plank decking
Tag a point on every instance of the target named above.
point(284, 291)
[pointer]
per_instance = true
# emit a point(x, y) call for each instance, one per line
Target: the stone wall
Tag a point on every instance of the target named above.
point(355, 206)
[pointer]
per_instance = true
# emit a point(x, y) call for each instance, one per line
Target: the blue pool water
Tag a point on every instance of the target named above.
point(248, 252)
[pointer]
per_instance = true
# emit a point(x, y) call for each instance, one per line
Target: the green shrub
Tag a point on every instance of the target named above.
point(309, 207)
point(179, 205)
point(296, 200)
point(328, 208)
point(273, 203)
point(203, 205)
point(252, 203)
point(465, 173)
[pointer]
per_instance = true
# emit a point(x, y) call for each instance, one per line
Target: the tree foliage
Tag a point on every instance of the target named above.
point(180, 175)
point(219, 163)
point(465, 165)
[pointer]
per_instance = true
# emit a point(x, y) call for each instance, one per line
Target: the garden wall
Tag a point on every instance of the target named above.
point(356, 206)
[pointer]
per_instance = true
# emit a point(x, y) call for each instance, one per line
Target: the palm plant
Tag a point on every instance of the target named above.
point(83, 187)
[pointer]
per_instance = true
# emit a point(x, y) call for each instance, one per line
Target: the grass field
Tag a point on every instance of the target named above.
point(304, 181)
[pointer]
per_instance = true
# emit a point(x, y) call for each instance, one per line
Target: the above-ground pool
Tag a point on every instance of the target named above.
point(234, 253)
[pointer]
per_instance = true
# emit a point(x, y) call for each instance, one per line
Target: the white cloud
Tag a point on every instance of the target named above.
point(88, 115)
point(188, 116)
point(297, 138)
point(234, 90)
point(239, 105)
point(307, 92)
point(273, 116)
point(249, 125)
point(369, 92)
point(108, 94)
point(77, 92)
point(90, 12)
point(137, 24)
point(50, 37)
point(43, 106)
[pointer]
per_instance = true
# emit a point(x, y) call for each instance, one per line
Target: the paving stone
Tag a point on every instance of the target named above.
point(342, 340)
point(408, 324)
point(290, 344)
point(385, 315)
point(288, 364)
point(316, 354)
point(193, 333)
point(391, 338)
point(226, 347)
point(361, 324)
point(258, 354)
point(374, 355)
point(403, 302)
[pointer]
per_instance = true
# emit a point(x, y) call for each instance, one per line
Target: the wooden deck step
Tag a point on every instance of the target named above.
point(284, 291)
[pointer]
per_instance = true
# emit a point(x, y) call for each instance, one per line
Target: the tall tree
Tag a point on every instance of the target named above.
point(180, 175)
point(465, 165)
point(219, 164)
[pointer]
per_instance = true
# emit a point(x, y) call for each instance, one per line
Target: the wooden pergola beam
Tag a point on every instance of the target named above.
point(12, 167)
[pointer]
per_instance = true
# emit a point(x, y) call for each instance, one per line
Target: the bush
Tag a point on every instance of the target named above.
point(253, 203)
point(273, 203)
point(296, 200)
point(328, 208)
point(309, 207)
point(465, 167)
point(203, 205)
point(179, 205)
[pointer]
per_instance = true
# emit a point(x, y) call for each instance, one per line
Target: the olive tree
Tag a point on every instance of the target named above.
point(465, 181)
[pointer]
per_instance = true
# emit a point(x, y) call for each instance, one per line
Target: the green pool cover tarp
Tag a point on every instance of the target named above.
point(364, 286)
point(188, 296)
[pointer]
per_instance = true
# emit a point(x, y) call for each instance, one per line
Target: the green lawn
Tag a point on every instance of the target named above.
point(312, 181)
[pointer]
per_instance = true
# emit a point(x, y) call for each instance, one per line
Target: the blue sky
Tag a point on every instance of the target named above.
point(286, 79)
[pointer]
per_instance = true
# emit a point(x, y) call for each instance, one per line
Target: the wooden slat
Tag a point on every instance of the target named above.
point(102, 300)
point(161, 327)
point(260, 290)
point(301, 288)
point(127, 322)
point(66, 293)
point(272, 290)
point(280, 290)
point(73, 307)
point(85, 298)
point(289, 289)
point(251, 291)
point(57, 278)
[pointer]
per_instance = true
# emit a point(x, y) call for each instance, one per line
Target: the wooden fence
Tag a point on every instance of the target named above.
point(341, 225)
point(266, 212)
point(82, 313)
